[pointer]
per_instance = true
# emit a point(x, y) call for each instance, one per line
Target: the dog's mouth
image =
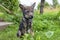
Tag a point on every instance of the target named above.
point(29, 17)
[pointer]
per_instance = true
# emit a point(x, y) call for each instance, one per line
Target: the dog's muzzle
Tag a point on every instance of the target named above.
point(29, 17)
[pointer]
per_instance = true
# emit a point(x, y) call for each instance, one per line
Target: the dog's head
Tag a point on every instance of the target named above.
point(27, 10)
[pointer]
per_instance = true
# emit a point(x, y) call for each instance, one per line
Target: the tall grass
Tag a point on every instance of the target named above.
point(46, 27)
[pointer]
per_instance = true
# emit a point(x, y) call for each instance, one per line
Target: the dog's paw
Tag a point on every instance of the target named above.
point(31, 32)
point(18, 34)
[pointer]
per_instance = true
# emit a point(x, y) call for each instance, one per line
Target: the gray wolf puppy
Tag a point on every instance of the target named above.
point(26, 23)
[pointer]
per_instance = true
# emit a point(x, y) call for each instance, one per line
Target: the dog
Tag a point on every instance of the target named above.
point(26, 23)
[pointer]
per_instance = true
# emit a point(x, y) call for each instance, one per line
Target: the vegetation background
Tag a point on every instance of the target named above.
point(45, 26)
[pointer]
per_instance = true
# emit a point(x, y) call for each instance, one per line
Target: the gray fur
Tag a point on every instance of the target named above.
point(26, 23)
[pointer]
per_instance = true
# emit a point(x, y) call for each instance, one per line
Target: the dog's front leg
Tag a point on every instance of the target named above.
point(30, 30)
point(21, 30)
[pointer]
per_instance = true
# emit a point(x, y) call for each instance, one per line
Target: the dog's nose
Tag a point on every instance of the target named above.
point(31, 17)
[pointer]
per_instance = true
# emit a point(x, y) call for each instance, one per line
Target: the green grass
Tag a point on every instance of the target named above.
point(46, 27)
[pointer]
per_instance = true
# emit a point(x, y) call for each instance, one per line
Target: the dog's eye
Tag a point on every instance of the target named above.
point(26, 11)
point(31, 11)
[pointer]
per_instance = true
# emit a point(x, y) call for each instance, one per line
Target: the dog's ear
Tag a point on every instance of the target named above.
point(21, 6)
point(33, 5)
